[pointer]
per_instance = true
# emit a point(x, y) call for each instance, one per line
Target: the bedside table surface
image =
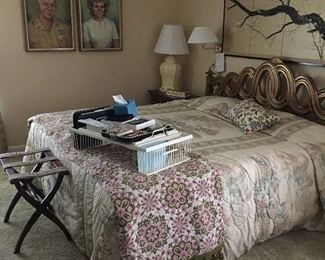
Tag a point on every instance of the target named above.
point(160, 97)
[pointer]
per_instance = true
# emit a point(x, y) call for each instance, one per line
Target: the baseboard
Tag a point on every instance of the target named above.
point(16, 148)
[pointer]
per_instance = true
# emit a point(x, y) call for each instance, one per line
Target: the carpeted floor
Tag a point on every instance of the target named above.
point(46, 240)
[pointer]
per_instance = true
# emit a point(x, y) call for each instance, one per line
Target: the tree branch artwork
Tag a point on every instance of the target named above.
point(313, 20)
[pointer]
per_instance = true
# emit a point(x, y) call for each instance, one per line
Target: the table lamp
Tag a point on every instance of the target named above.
point(204, 36)
point(171, 42)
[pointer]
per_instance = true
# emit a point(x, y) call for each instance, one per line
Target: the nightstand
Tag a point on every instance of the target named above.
point(160, 97)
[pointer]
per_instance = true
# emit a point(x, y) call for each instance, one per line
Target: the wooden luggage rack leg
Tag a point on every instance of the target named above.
point(33, 195)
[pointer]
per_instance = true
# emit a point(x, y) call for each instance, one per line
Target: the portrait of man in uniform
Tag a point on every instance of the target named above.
point(49, 25)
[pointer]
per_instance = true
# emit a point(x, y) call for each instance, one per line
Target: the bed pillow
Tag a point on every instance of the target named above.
point(213, 105)
point(251, 117)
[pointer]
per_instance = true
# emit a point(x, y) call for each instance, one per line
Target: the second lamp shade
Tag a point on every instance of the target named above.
point(202, 35)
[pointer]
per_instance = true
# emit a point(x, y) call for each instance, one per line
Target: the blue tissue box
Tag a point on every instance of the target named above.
point(127, 109)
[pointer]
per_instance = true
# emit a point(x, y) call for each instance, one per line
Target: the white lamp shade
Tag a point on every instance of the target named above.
point(171, 40)
point(202, 35)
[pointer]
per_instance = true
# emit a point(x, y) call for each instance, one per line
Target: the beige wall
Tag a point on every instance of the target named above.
point(210, 13)
point(199, 13)
point(33, 83)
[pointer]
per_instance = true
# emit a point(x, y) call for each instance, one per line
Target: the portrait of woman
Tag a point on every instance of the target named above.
point(49, 25)
point(100, 25)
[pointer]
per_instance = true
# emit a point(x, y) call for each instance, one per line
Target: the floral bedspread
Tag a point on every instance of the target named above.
point(273, 181)
point(176, 214)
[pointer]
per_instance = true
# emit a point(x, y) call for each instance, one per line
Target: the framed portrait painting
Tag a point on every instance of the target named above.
point(49, 25)
point(292, 30)
point(100, 25)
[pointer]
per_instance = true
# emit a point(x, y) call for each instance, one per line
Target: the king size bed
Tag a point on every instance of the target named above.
point(236, 190)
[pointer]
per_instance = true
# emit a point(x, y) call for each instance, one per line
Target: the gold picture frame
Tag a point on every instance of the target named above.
point(49, 25)
point(100, 25)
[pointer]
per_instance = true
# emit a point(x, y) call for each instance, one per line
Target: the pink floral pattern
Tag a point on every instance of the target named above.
point(183, 250)
point(161, 216)
point(176, 195)
point(203, 216)
point(152, 233)
point(155, 212)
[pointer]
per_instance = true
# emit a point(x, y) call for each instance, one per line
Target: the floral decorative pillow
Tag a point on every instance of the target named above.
point(251, 117)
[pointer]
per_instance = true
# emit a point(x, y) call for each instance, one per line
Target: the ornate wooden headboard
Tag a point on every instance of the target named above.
point(272, 84)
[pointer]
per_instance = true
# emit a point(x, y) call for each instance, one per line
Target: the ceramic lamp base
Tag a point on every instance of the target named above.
point(170, 72)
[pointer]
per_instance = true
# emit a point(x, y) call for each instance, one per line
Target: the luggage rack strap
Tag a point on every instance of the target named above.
point(14, 177)
point(16, 154)
point(17, 164)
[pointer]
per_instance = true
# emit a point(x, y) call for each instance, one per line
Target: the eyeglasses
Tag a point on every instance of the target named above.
point(164, 129)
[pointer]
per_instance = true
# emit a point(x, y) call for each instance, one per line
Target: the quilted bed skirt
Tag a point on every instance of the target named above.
point(3, 141)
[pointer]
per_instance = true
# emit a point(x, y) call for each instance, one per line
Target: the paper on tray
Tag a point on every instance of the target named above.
point(120, 99)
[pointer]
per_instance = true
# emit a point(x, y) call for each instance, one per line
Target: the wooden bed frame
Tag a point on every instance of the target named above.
point(274, 85)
